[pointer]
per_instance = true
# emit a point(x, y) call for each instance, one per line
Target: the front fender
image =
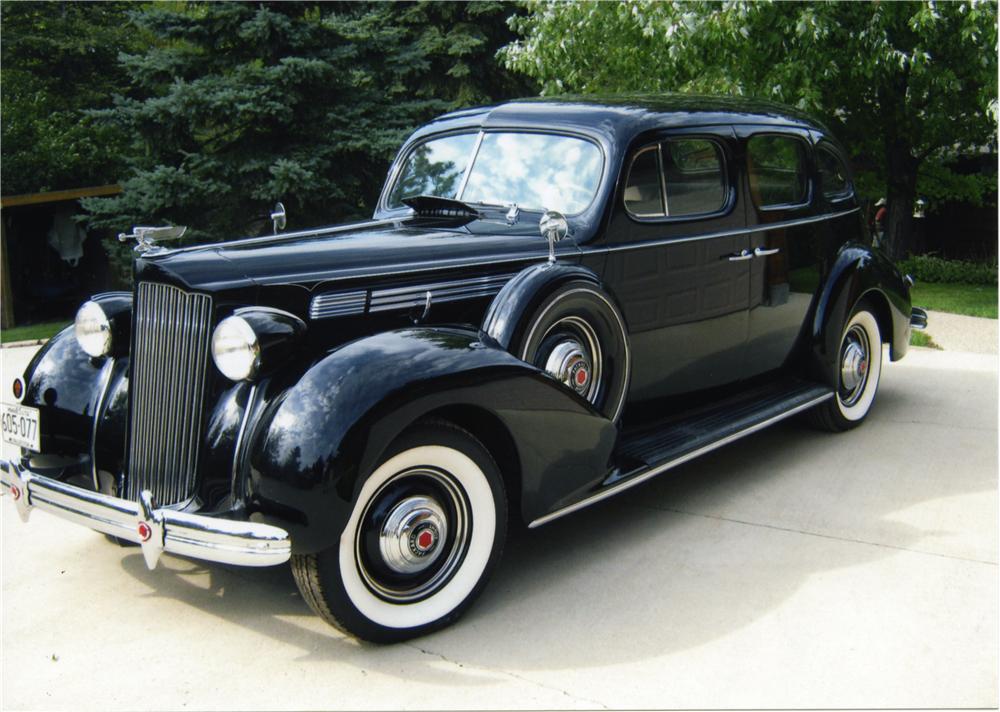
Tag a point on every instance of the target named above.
point(860, 272)
point(64, 383)
point(318, 438)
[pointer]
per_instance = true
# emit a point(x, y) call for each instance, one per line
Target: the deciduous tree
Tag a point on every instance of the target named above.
point(907, 86)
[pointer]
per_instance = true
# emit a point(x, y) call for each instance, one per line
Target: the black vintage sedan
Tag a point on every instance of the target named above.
point(555, 301)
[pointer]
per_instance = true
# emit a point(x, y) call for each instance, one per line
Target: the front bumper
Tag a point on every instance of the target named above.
point(155, 530)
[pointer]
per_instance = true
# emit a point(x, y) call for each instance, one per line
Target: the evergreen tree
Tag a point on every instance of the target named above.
point(59, 59)
point(237, 106)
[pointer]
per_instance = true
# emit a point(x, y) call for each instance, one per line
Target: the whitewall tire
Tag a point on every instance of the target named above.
point(859, 368)
point(425, 531)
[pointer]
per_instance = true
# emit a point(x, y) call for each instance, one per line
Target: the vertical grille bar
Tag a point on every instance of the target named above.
point(169, 365)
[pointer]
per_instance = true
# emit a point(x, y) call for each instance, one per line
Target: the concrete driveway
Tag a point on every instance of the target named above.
point(791, 569)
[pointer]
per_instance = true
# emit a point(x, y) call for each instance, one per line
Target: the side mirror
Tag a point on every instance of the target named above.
point(278, 217)
point(554, 228)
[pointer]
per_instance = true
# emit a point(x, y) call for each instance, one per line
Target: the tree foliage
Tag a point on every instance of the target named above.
point(57, 60)
point(236, 106)
point(907, 86)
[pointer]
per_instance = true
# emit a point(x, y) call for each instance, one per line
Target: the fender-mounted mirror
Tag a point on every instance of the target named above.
point(554, 228)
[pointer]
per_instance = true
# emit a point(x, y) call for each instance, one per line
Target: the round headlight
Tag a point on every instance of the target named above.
point(93, 330)
point(235, 349)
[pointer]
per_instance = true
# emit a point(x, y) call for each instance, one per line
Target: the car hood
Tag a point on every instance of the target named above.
point(349, 254)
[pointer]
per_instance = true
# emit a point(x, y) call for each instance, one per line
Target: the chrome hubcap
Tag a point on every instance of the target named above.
point(568, 363)
point(413, 535)
point(410, 538)
point(854, 360)
point(571, 353)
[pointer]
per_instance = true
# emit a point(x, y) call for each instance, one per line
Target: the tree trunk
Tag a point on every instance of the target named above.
point(901, 192)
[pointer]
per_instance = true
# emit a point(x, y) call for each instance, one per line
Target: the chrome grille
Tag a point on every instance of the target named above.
point(169, 365)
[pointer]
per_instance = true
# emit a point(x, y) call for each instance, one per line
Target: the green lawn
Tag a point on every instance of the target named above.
point(921, 338)
point(33, 331)
point(968, 299)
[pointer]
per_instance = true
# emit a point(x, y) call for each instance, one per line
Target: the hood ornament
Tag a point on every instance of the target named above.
point(146, 237)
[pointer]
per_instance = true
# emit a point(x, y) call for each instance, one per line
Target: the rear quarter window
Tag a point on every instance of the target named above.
point(833, 175)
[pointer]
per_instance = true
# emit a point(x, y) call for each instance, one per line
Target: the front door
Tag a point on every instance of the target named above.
point(679, 263)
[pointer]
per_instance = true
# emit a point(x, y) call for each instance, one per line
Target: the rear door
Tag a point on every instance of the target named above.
point(786, 241)
point(678, 262)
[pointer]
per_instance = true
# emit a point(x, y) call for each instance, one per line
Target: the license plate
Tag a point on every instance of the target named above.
point(19, 426)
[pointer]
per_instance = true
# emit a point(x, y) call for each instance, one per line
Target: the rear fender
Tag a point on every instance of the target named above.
point(860, 273)
point(318, 438)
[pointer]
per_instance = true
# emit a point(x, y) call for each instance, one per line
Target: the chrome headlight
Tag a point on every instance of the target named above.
point(236, 349)
point(93, 330)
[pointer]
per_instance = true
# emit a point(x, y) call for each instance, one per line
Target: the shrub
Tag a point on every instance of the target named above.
point(928, 268)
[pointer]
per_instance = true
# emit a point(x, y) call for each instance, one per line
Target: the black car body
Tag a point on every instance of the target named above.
point(710, 283)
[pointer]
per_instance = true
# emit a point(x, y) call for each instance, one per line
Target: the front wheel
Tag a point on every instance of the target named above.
point(858, 372)
point(425, 532)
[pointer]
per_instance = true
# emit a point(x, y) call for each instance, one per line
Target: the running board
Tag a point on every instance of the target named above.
point(662, 447)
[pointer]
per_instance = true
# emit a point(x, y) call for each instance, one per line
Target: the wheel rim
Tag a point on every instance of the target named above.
point(855, 358)
point(413, 535)
point(571, 353)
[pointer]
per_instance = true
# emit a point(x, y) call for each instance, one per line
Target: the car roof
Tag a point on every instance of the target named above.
point(620, 117)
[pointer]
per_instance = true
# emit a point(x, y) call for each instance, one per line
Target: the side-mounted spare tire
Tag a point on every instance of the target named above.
point(577, 335)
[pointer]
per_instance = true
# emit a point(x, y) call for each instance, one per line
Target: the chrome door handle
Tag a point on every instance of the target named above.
point(743, 255)
point(761, 252)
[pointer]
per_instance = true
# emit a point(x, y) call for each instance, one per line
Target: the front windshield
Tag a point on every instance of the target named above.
point(536, 171)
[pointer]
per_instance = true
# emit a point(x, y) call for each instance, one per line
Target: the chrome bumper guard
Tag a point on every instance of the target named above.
point(155, 530)
point(918, 319)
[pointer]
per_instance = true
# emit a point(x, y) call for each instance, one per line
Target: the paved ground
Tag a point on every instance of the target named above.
point(792, 569)
point(954, 332)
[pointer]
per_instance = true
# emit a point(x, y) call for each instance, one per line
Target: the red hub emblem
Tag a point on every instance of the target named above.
point(423, 541)
point(145, 531)
point(581, 377)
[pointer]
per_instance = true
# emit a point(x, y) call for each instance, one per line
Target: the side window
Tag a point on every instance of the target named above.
point(695, 181)
point(832, 174)
point(643, 191)
point(679, 177)
point(776, 166)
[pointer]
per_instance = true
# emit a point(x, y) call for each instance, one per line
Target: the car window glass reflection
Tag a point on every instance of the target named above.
point(434, 168)
point(536, 171)
point(777, 170)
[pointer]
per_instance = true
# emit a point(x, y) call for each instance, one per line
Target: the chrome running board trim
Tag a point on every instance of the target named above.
point(642, 476)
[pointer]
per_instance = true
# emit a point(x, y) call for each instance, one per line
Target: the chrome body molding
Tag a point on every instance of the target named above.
point(332, 304)
point(763, 227)
point(416, 295)
point(918, 319)
point(357, 302)
point(641, 477)
point(155, 530)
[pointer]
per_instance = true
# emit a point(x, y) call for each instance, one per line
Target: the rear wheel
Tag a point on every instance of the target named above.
point(858, 372)
point(426, 530)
